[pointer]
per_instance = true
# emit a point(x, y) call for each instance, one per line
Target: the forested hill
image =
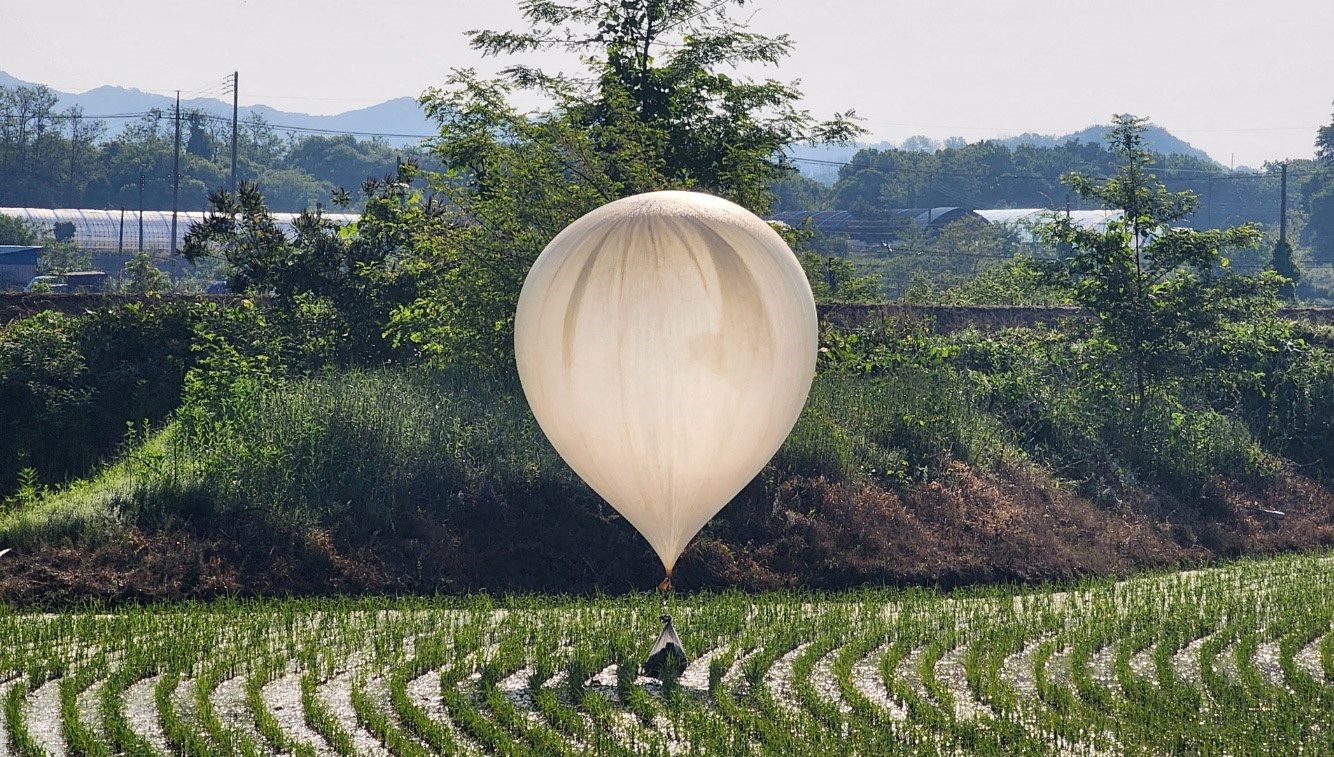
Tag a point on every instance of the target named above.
point(873, 182)
point(1156, 138)
point(821, 162)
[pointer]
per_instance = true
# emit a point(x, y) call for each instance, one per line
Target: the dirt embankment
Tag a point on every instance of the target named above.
point(970, 527)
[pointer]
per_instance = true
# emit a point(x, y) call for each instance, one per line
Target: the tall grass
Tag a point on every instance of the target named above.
point(364, 447)
point(893, 427)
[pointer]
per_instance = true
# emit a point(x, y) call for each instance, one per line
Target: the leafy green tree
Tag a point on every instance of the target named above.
point(1320, 227)
point(343, 161)
point(1324, 143)
point(142, 276)
point(1320, 196)
point(1284, 265)
point(658, 105)
point(1155, 289)
point(354, 271)
point(17, 231)
point(660, 84)
point(198, 141)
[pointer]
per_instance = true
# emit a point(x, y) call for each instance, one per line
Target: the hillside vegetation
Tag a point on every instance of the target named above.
point(961, 458)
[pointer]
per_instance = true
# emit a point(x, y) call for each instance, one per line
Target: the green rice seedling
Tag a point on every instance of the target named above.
point(1224, 660)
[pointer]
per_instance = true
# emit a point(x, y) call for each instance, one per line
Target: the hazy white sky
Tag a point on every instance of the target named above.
point(1239, 78)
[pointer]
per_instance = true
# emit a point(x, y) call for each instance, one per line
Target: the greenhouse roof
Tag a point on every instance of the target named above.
point(116, 229)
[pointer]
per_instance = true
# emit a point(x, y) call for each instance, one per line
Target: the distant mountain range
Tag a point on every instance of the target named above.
point(1156, 138)
point(821, 163)
point(402, 116)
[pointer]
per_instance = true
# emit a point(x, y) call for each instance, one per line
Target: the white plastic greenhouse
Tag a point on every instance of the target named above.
point(119, 230)
point(1029, 218)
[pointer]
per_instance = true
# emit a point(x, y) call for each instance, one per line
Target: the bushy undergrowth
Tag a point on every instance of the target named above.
point(919, 457)
point(1061, 401)
point(893, 428)
point(370, 449)
point(69, 385)
point(360, 448)
point(73, 387)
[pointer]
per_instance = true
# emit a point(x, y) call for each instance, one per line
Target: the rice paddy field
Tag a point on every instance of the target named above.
point(1229, 660)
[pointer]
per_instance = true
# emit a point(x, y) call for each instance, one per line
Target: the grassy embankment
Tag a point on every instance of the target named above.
point(411, 480)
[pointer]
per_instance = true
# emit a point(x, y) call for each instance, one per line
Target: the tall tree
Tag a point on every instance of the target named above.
point(1285, 265)
point(1320, 196)
point(660, 81)
point(1324, 143)
point(1154, 288)
point(658, 104)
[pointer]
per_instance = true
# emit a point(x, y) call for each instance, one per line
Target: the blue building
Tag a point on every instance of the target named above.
point(18, 264)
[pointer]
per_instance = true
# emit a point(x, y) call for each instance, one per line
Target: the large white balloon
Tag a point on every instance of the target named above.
point(666, 343)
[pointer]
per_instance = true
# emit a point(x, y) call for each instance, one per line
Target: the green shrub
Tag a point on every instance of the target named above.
point(1295, 417)
point(1183, 447)
point(70, 385)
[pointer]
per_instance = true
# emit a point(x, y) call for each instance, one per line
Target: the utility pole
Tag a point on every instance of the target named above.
point(141, 211)
point(176, 173)
point(73, 149)
point(1283, 205)
point(235, 81)
point(120, 240)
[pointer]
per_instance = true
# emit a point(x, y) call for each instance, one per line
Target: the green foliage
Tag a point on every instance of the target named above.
point(1024, 281)
point(63, 257)
point(63, 231)
point(836, 279)
point(1284, 265)
point(71, 384)
point(658, 89)
point(1154, 288)
point(926, 267)
point(1293, 411)
point(990, 174)
point(360, 450)
point(1320, 204)
point(51, 158)
point(1324, 143)
point(17, 231)
point(356, 274)
point(658, 105)
point(985, 398)
point(142, 276)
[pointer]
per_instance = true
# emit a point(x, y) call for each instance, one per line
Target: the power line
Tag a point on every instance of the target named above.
point(316, 130)
point(1165, 173)
point(56, 116)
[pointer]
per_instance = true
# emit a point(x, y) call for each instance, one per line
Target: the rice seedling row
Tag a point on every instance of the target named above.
point(1234, 659)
